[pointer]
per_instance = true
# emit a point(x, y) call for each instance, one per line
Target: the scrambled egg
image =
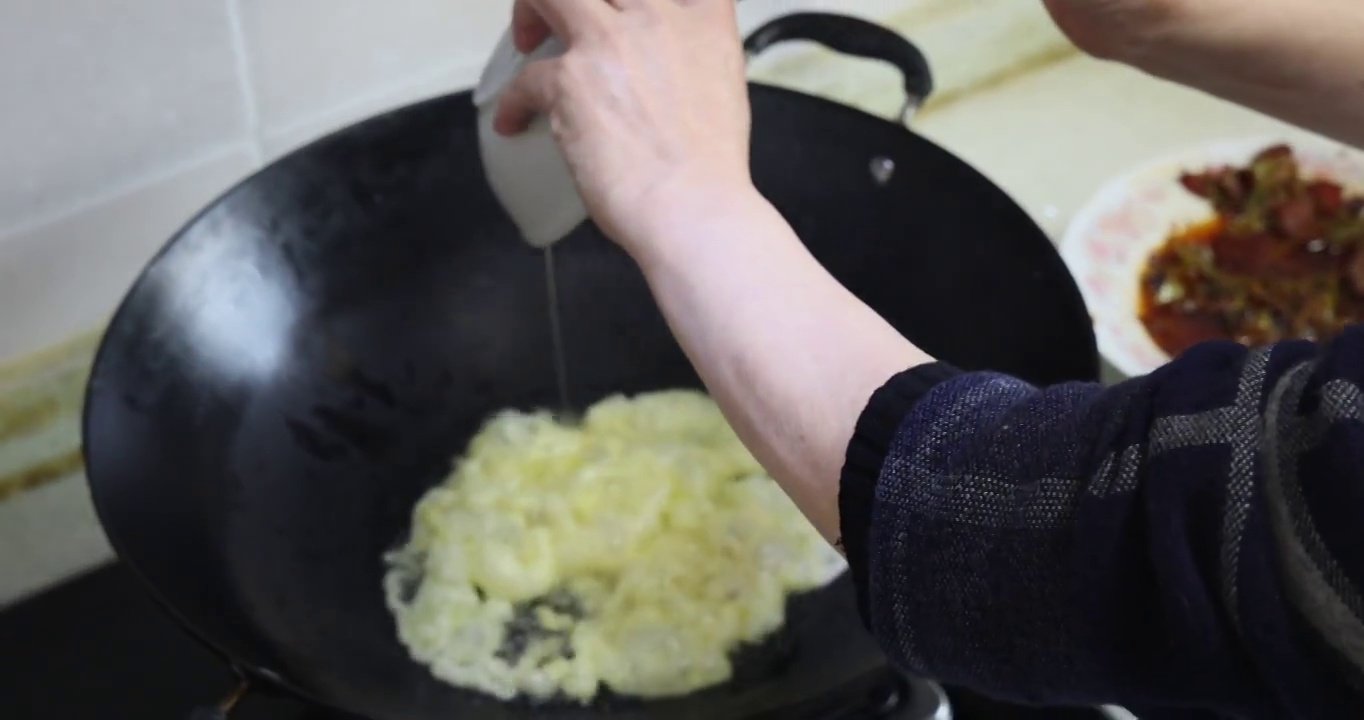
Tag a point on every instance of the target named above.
point(632, 551)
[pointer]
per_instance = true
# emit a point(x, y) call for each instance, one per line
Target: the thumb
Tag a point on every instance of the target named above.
point(534, 91)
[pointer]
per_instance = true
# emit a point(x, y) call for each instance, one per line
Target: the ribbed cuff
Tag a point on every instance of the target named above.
point(867, 450)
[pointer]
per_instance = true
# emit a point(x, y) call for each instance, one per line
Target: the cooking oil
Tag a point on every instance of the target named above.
point(556, 330)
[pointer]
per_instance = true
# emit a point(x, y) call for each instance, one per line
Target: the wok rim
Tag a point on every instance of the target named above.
point(262, 678)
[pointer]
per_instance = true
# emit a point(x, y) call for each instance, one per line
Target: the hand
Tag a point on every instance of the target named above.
point(1301, 62)
point(1113, 29)
point(649, 104)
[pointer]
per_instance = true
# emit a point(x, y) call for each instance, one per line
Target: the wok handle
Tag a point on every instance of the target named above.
point(852, 36)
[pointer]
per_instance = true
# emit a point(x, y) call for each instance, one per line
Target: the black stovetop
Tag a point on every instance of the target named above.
point(98, 648)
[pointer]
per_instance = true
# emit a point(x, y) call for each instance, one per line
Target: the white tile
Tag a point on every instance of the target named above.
point(48, 535)
point(68, 275)
point(308, 57)
point(98, 94)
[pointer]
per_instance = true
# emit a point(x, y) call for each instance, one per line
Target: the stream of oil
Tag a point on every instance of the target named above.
point(556, 329)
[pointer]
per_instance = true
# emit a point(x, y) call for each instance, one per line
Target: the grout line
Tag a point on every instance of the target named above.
point(250, 108)
point(117, 190)
point(253, 145)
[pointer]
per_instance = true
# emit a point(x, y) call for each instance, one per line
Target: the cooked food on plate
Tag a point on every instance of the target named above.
point(633, 550)
point(1281, 258)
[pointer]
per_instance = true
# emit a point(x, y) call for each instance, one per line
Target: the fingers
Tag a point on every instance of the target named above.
point(535, 89)
point(571, 20)
point(532, 92)
point(533, 21)
point(711, 9)
point(528, 28)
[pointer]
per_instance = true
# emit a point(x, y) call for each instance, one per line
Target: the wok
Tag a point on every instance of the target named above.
point(305, 358)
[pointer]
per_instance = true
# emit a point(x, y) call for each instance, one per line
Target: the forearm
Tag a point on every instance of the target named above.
point(790, 356)
point(1302, 62)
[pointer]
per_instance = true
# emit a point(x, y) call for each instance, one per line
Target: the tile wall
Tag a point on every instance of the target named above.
point(123, 118)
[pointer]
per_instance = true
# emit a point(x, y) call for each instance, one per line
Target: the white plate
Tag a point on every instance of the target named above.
point(1108, 242)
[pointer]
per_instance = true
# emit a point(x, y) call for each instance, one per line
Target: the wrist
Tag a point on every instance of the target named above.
point(691, 209)
point(1140, 33)
point(1254, 54)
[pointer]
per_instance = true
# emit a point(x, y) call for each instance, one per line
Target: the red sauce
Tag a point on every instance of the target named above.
point(1172, 327)
point(1282, 258)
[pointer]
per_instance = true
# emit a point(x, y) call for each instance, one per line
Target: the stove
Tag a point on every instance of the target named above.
point(97, 647)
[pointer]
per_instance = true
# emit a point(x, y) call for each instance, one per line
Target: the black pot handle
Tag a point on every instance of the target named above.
point(852, 36)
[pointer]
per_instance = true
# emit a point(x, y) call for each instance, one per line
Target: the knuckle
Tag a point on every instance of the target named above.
point(568, 71)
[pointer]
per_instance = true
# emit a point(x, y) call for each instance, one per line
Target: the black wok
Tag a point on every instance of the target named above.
point(306, 356)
